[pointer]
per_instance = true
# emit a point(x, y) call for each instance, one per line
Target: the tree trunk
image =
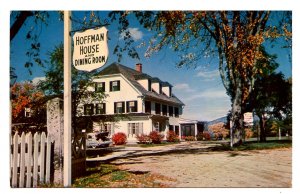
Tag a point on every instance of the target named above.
point(262, 125)
point(237, 116)
point(20, 20)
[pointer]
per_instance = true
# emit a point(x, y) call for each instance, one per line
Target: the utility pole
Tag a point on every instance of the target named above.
point(67, 100)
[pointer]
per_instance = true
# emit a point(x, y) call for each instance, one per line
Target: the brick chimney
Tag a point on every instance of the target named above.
point(138, 67)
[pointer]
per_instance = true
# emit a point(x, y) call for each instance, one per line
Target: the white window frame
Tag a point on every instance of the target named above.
point(134, 129)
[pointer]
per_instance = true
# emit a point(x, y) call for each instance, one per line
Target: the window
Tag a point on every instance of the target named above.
point(100, 108)
point(100, 87)
point(176, 112)
point(27, 112)
point(171, 127)
point(119, 107)
point(176, 129)
point(160, 127)
point(106, 128)
point(88, 109)
point(131, 106)
point(135, 129)
point(147, 107)
point(157, 108)
point(164, 110)
point(115, 86)
point(171, 111)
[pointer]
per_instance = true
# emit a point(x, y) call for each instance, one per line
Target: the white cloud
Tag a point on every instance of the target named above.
point(135, 33)
point(208, 94)
point(36, 80)
point(208, 75)
point(184, 87)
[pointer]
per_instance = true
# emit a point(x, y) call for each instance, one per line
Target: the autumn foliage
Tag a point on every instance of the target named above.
point(219, 130)
point(23, 95)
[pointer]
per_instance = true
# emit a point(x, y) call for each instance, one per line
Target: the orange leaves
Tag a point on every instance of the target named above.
point(22, 96)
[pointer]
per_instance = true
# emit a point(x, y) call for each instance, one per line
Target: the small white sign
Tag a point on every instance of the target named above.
point(90, 49)
point(248, 118)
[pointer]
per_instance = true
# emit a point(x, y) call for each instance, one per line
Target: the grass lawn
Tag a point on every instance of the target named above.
point(110, 176)
point(254, 145)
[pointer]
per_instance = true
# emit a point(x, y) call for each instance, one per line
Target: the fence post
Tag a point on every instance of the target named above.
point(35, 159)
point(28, 162)
point(55, 132)
point(15, 161)
point(42, 158)
point(22, 163)
point(48, 160)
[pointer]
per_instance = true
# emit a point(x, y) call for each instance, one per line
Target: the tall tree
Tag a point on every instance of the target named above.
point(233, 36)
point(83, 87)
point(271, 98)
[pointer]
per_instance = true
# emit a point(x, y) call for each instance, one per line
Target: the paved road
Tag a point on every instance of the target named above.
point(192, 165)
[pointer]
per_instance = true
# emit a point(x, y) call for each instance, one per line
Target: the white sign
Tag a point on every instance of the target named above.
point(248, 118)
point(90, 49)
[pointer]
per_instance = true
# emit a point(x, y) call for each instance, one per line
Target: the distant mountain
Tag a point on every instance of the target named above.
point(218, 120)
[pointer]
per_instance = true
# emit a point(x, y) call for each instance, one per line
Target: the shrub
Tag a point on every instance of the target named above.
point(190, 138)
point(119, 138)
point(172, 137)
point(219, 130)
point(248, 133)
point(143, 139)
point(199, 137)
point(206, 135)
point(156, 137)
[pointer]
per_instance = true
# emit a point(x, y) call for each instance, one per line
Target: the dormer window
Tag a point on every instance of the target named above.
point(167, 89)
point(115, 86)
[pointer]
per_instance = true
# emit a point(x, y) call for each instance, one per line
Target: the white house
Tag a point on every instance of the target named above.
point(146, 103)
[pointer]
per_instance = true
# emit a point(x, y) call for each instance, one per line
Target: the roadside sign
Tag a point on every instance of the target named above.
point(248, 118)
point(90, 49)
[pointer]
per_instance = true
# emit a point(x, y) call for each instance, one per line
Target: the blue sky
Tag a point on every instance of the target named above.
point(199, 88)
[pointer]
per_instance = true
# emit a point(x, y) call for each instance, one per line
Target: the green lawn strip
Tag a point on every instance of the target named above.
point(274, 144)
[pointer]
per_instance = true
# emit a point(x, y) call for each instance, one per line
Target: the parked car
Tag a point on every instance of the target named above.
point(98, 140)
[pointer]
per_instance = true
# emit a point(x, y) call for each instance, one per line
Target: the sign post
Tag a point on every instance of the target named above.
point(67, 101)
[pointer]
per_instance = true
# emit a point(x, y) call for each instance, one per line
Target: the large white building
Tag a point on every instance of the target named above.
point(141, 102)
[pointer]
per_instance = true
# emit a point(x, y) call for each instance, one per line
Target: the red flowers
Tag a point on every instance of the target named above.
point(119, 138)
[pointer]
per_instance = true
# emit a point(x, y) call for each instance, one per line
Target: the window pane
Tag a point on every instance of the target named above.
point(100, 86)
point(115, 86)
point(157, 108)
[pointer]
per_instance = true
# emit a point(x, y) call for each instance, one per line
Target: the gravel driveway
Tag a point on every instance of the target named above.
point(195, 167)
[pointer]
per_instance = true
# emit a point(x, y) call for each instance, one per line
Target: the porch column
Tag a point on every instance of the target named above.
point(196, 130)
point(179, 132)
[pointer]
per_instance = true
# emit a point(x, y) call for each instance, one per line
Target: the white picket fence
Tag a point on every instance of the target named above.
point(30, 160)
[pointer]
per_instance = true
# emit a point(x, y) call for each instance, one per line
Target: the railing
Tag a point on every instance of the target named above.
point(31, 160)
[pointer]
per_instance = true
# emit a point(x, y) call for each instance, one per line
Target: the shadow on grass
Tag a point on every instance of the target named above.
point(214, 147)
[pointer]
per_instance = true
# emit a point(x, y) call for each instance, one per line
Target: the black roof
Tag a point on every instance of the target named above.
point(133, 75)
